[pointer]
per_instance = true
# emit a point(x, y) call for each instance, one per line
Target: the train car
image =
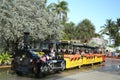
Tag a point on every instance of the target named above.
point(99, 54)
point(67, 52)
point(93, 54)
point(76, 54)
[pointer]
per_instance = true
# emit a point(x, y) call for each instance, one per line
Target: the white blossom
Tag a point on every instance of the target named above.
point(16, 15)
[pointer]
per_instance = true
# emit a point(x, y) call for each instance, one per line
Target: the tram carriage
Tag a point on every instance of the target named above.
point(77, 59)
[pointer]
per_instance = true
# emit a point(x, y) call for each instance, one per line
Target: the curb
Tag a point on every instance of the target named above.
point(8, 66)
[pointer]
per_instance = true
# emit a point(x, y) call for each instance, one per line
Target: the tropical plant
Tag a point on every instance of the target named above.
point(97, 35)
point(69, 29)
point(64, 36)
point(60, 9)
point(5, 58)
point(112, 29)
point(108, 29)
point(85, 30)
point(118, 51)
point(117, 35)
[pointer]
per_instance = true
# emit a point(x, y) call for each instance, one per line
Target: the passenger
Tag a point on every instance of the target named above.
point(70, 51)
point(87, 51)
point(51, 54)
point(77, 51)
point(59, 50)
point(66, 51)
point(83, 53)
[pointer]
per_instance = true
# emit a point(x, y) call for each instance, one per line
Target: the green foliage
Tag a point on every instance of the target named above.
point(112, 46)
point(65, 36)
point(17, 15)
point(85, 30)
point(97, 35)
point(60, 9)
point(108, 28)
point(5, 58)
point(69, 29)
point(118, 51)
point(112, 29)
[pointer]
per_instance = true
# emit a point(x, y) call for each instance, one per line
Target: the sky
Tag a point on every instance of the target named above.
point(97, 11)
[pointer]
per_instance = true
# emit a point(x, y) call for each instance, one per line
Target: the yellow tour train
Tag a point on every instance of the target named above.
point(76, 54)
point(67, 55)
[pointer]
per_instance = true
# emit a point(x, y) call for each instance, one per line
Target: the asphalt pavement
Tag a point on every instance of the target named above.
point(109, 70)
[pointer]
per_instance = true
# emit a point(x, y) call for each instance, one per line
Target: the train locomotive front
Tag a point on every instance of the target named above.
point(38, 62)
point(23, 61)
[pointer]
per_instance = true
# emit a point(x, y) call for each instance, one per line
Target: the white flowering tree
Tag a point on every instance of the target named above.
point(17, 15)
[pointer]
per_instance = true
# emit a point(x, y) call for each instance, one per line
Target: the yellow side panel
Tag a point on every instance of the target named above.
point(68, 62)
point(89, 60)
point(39, 53)
point(72, 63)
point(98, 59)
point(79, 62)
point(84, 60)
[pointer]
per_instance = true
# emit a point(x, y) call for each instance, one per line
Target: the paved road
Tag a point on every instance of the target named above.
point(110, 70)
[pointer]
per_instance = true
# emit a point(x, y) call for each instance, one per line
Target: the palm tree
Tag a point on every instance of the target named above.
point(60, 9)
point(109, 29)
point(97, 35)
point(117, 35)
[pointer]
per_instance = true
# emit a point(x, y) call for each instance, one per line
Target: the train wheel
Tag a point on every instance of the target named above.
point(19, 73)
point(46, 68)
point(39, 75)
point(42, 69)
point(63, 65)
point(37, 72)
point(35, 68)
point(50, 67)
point(79, 66)
point(57, 71)
point(92, 64)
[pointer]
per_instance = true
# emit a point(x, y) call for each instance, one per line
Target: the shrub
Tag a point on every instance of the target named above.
point(5, 58)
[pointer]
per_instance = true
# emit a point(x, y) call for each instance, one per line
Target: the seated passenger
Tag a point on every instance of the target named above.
point(66, 51)
point(51, 55)
point(59, 50)
point(70, 51)
point(83, 52)
point(77, 51)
